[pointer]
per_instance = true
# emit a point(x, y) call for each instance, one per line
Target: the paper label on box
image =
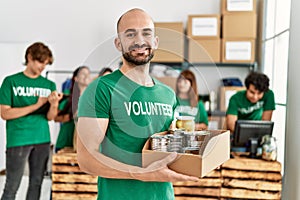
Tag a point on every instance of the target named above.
point(204, 26)
point(228, 95)
point(238, 51)
point(239, 5)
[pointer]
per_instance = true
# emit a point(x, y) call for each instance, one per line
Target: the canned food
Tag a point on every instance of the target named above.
point(195, 139)
point(175, 143)
point(159, 143)
point(185, 122)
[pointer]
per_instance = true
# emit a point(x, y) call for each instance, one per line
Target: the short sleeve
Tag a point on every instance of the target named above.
point(52, 86)
point(232, 106)
point(95, 101)
point(203, 113)
point(269, 99)
point(6, 93)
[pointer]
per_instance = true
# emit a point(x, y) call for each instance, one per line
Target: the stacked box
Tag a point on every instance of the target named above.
point(239, 25)
point(241, 6)
point(239, 31)
point(171, 42)
point(204, 43)
point(205, 51)
point(238, 50)
point(225, 95)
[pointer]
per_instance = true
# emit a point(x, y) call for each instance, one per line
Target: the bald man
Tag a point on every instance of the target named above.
point(115, 119)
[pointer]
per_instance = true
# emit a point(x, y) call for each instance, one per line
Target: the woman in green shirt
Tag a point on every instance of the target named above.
point(68, 108)
point(188, 100)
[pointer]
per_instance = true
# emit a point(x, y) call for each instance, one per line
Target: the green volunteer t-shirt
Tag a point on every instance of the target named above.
point(66, 131)
point(184, 108)
point(240, 106)
point(19, 90)
point(135, 113)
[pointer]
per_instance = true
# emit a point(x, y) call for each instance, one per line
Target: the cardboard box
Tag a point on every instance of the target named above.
point(169, 81)
point(214, 151)
point(171, 42)
point(239, 25)
point(225, 95)
point(234, 6)
point(238, 50)
point(203, 26)
point(205, 51)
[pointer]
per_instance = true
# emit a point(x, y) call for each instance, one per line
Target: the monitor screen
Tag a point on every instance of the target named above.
point(246, 129)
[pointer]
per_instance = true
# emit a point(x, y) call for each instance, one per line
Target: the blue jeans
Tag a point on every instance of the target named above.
point(16, 158)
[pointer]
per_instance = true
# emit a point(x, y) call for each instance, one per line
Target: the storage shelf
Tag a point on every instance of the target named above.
point(186, 65)
point(216, 113)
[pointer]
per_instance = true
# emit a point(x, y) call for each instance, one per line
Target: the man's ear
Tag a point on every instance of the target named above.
point(118, 44)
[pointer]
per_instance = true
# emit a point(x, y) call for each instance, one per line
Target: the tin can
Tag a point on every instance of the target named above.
point(185, 122)
point(175, 143)
point(159, 143)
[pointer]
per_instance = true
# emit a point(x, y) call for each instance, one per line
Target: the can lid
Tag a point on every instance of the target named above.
point(185, 118)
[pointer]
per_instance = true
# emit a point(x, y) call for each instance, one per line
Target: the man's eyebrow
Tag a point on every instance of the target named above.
point(147, 29)
point(134, 30)
point(130, 30)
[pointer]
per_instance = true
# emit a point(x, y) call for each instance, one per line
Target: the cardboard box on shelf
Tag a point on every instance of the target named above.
point(234, 6)
point(238, 50)
point(168, 80)
point(239, 25)
point(203, 26)
point(225, 94)
point(171, 42)
point(214, 151)
point(204, 50)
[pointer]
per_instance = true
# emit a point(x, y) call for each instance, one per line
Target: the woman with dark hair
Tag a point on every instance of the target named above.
point(68, 108)
point(188, 101)
point(104, 71)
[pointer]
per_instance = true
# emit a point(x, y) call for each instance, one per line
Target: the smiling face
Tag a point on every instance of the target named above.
point(83, 77)
point(35, 67)
point(254, 95)
point(183, 85)
point(136, 38)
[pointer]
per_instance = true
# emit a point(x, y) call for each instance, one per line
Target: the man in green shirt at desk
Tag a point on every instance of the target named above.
point(255, 103)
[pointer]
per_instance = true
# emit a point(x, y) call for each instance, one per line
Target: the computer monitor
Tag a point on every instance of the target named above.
point(248, 133)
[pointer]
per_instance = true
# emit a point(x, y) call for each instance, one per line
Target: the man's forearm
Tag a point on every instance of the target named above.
point(14, 113)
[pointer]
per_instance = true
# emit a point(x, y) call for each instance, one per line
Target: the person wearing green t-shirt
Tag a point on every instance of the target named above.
point(28, 101)
point(257, 102)
point(188, 101)
point(68, 107)
point(118, 112)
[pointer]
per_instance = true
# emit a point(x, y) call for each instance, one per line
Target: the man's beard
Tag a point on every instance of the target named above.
point(131, 59)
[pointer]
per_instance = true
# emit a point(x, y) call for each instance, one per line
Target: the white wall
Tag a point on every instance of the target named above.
point(291, 180)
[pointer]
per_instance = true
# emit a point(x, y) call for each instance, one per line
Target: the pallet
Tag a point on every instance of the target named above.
point(238, 178)
point(245, 178)
point(208, 187)
point(68, 181)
